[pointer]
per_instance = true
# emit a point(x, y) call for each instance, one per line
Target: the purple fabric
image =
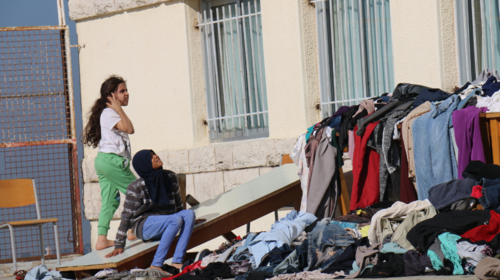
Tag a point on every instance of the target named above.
point(468, 137)
point(342, 110)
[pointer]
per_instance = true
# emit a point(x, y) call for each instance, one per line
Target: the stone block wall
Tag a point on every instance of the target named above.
point(210, 170)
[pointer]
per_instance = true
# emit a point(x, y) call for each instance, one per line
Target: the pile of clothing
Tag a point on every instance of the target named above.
point(401, 144)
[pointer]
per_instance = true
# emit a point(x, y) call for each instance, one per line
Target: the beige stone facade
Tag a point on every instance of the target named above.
point(156, 46)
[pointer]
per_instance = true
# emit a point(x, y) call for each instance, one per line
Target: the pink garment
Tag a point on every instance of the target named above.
point(351, 144)
point(367, 104)
point(477, 191)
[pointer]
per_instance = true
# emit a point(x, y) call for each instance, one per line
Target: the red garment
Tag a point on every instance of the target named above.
point(187, 269)
point(477, 191)
point(408, 193)
point(485, 232)
point(365, 171)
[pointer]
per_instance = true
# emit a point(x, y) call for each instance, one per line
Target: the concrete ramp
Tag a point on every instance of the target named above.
point(230, 210)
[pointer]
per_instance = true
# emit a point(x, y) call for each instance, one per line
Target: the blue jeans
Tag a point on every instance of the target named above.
point(435, 161)
point(491, 194)
point(326, 243)
point(165, 228)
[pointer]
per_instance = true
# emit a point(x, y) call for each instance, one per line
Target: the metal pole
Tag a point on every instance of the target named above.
point(253, 68)
point(332, 35)
point(240, 52)
point(262, 87)
point(246, 62)
point(234, 64)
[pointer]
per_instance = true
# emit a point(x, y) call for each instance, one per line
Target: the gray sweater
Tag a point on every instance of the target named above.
point(138, 206)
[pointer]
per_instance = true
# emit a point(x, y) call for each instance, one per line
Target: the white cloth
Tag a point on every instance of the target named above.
point(398, 209)
point(113, 140)
point(209, 259)
point(470, 252)
point(492, 103)
point(298, 155)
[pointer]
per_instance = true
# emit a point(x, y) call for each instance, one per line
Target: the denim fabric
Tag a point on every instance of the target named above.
point(430, 94)
point(491, 194)
point(325, 244)
point(282, 232)
point(435, 161)
point(491, 86)
point(165, 228)
point(288, 265)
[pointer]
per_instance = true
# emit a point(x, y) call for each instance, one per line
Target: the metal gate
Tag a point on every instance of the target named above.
point(38, 138)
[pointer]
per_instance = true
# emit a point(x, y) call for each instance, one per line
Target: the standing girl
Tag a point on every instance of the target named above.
point(109, 127)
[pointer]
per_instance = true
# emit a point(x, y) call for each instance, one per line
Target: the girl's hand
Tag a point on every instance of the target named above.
point(115, 252)
point(114, 103)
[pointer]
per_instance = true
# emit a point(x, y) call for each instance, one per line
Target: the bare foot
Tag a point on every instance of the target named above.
point(130, 235)
point(177, 265)
point(103, 243)
point(159, 268)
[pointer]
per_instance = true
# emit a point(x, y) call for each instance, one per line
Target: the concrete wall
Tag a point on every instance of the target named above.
point(424, 43)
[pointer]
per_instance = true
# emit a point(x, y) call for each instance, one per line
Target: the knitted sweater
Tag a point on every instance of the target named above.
point(138, 206)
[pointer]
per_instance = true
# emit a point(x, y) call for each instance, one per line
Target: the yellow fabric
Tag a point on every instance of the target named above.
point(364, 231)
point(360, 211)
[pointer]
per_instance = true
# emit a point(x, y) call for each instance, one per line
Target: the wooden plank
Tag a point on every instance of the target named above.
point(181, 178)
point(495, 139)
point(225, 212)
point(489, 115)
point(344, 200)
point(30, 222)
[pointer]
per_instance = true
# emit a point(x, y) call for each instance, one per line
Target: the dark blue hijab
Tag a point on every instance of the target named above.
point(157, 181)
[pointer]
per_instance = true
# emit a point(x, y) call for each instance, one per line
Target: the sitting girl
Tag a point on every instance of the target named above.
point(153, 210)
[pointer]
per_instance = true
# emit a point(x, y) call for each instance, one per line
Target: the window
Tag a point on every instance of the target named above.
point(354, 51)
point(477, 28)
point(233, 60)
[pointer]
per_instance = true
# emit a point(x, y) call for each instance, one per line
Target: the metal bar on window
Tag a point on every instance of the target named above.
point(222, 67)
point(362, 38)
point(243, 82)
point(246, 62)
point(492, 41)
point(476, 68)
point(234, 64)
point(325, 49)
point(214, 66)
point(343, 79)
point(332, 35)
point(253, 64)
point(261, 88)
point(208, 74)
point(230, 91)
point(348, 59)
point(370, 54)
point(377, 56)
point(354, 50)
point(386, 58)
point(483, 37)
point(466, 39)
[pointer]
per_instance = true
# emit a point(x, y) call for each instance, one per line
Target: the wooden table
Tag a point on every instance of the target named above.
point(490, 130)
point(225, 212)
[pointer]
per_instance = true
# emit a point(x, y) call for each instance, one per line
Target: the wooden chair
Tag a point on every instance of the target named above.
point(22, 192)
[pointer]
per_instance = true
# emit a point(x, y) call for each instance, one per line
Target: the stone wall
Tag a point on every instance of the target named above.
point(210, 170)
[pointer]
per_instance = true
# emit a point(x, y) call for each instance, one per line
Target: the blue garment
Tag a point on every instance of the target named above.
point(335, 122)
point(449, 248)
point(165, 228)
point(491, 86)
point(435, 161)
point(326, 243)
point(491, 194)
point(282, 232)
point(42, 273)
point(309, 132)
point(445, 194)
point(346, 224)
point(238, 252)
point(393, 247)
point(430, 94)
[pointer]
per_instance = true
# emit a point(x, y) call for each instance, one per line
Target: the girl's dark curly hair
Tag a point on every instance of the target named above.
point(92, 132)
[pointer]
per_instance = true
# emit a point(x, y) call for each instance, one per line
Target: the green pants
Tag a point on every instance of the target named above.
point(113, 177)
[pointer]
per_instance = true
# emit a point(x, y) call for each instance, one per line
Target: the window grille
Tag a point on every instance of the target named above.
point(477, 28)
point(354, 51)
point(231, 35)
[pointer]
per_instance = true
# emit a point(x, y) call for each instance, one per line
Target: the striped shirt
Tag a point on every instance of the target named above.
point(138, 205)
